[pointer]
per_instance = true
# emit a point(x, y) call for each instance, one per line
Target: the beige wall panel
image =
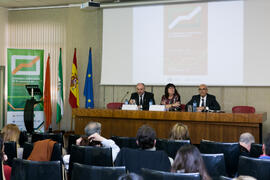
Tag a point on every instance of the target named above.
point(187, 93)
point(109, 95)
point(257, 97)
point(234, 96)
point(158, 93)
point(68, 28)
point(41, 29)
point(3, 35)
point(120, 92)
point(147, 88)
point(82, 33)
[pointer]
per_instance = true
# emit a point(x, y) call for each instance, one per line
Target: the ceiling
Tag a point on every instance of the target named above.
point(39, 3)
point(43, 3)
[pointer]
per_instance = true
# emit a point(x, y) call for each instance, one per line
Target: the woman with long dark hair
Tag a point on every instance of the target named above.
point(189, 160)
point(171, 98)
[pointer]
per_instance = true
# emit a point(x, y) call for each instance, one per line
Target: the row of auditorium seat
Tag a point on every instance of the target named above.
point(25, 170)
point(230, 150)
point(235, 109)
point(58, 137)
point(11, 151)
point(219, 164)
point(162, 144)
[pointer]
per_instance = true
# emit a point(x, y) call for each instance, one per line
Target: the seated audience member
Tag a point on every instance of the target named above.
point(6, 168)
point(205, 101)
point(11, 132)
point(179, 132)
point(146, 156)
point(171, 98)
point(92, 131)
point(146, 139)
point(130, 176)
point(189, 160)
point(142, 97)
point(245, 141)
point(266, 148)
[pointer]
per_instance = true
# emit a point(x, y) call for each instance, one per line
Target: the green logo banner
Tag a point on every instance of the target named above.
point(25, 67)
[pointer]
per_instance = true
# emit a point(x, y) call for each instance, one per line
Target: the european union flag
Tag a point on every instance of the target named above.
point(88, 86)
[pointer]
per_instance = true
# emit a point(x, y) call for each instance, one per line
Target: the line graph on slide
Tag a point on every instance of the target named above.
point(187, 17)
point(185, 32)
point(28, 65)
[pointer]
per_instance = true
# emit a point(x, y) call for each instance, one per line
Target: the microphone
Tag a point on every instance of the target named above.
point(124, 96)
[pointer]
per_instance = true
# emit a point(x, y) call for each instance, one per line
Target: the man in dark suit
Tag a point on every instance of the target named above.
point(141, 97)
point(205, 101)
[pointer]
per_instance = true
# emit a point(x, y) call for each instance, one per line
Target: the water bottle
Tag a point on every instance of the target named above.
point(194, 106)
point(126, 101)
point(150, 102)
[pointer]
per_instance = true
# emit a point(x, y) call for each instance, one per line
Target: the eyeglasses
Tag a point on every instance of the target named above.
point(202, 89)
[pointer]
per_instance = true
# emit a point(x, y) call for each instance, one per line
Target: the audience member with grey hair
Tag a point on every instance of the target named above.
point(92, 131)
point(245, 141)
point(92, 128)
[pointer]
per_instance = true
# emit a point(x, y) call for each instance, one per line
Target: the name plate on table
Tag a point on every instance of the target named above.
point(129, 107)
point(157, 108)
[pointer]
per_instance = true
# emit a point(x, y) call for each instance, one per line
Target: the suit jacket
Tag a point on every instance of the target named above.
point(146, 99)
point(135, 159)
point(211, 102)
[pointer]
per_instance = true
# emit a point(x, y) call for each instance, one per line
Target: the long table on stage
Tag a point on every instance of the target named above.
point(223, 127)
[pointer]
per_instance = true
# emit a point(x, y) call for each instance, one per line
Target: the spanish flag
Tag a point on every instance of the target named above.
point(74, 86)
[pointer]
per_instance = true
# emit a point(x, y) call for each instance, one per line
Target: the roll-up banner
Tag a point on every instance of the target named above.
point(25, 67)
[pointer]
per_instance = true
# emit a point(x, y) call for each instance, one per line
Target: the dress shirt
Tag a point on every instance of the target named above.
point(203, 99)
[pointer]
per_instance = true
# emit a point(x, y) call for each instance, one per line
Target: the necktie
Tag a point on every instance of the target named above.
point(140, 100)
point(202, 102)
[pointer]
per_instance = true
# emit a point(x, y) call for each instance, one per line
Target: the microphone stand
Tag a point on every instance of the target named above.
point(124, 96)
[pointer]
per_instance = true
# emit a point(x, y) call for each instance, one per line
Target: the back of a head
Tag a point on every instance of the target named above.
point(246, 138)
point(130, 176)
point(146, 137)
point(92, 127)
point(11, 132)
point(267, 144)
point(189, 160)
point(179, 132)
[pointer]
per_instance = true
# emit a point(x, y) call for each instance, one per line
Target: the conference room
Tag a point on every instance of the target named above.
point(223, 44)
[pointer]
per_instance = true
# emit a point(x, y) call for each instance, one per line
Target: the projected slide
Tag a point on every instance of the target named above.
point(185, 40)
point(186, 44)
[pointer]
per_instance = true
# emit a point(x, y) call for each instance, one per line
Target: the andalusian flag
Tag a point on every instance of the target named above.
point(47, 96)
point(88, 86)
point(74, 86)
point(60, 99)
